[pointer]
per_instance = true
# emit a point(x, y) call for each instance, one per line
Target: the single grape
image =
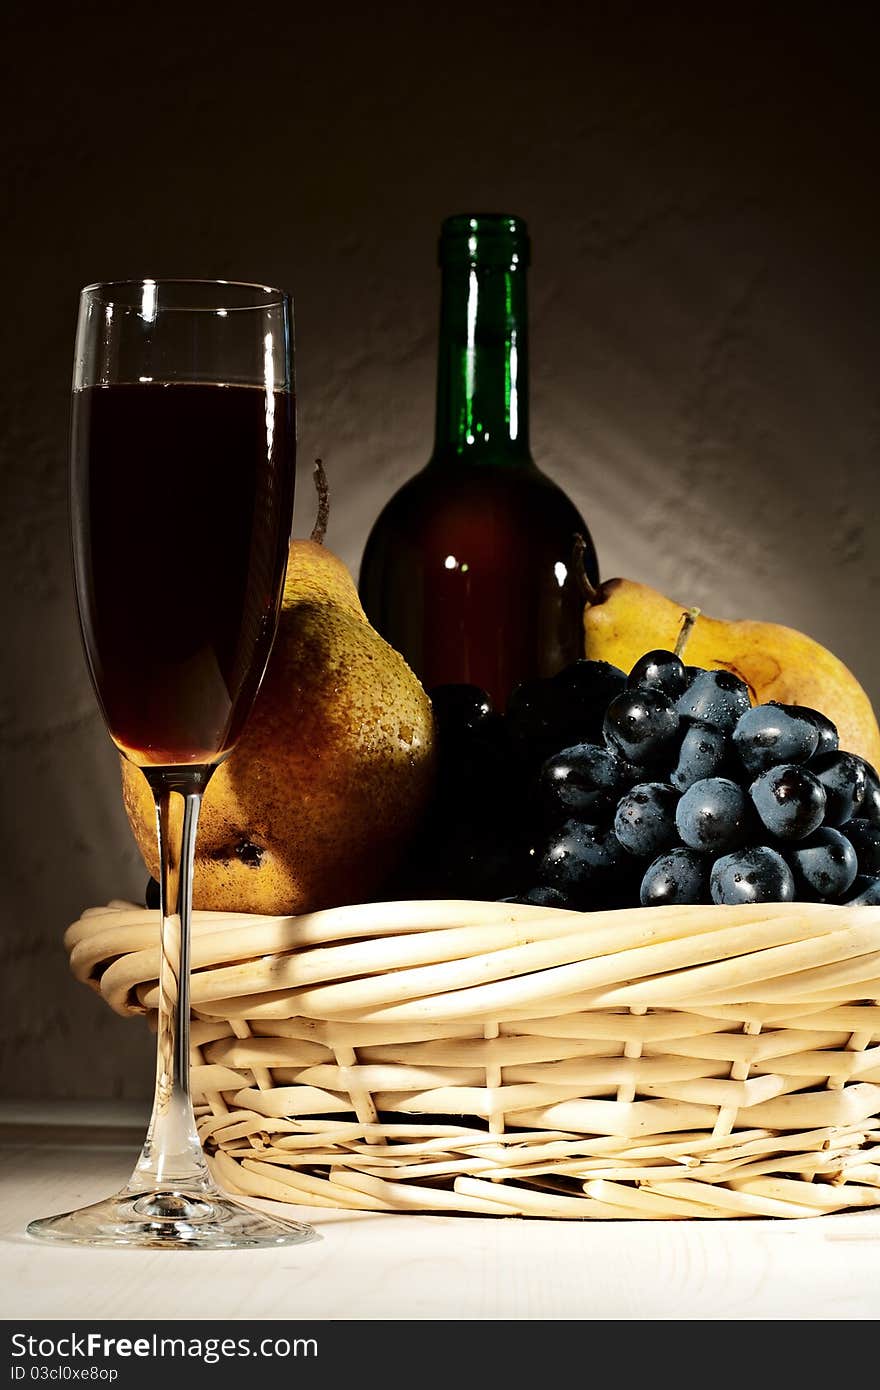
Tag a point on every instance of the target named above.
point(459, 708)
point(575, 854)
point(659, 670)
point(641, 726)
point(681, 875)
point(713, 815)
point(829, 741)
point(864, 892)
point(864, 836)
point(789, 800)
point(580, 781)
point(824, 865)
point(151, 896)
point(844, 779)
point(768, 734)
point(591, 684)
point(715, 697)
point(582, 693)
point(645, 819)
point(757, 875)
point(703, 753)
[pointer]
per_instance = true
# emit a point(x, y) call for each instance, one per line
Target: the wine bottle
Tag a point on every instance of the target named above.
point(469, 570)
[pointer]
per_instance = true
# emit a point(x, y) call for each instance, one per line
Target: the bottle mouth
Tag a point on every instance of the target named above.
point(484, 239)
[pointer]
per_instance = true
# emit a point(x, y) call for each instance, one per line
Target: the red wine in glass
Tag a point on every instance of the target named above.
point(181, 499)
point(180, 496)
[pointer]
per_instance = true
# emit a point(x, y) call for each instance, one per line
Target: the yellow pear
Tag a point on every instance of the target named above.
point(624, 619)
point(315, 805)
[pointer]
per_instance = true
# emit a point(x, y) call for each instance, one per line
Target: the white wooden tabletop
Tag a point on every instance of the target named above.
point(371, 1265)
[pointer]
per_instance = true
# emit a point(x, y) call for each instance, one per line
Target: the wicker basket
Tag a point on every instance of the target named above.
point(481, 1057)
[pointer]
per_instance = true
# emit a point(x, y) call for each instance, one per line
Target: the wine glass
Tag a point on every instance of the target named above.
point(181, 498)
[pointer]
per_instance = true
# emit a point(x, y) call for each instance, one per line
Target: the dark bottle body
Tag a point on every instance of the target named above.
point(469, 573)
point(470, 569)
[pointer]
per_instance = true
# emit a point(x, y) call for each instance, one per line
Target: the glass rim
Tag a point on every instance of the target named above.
point(263, 296)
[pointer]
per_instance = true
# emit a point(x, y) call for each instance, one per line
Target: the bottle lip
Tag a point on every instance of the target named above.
point(484, 239)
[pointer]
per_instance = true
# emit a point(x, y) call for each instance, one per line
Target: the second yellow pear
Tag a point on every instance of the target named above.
point(625, 619)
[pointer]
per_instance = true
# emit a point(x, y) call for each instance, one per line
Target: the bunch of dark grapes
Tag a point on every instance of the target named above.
point(602, 790)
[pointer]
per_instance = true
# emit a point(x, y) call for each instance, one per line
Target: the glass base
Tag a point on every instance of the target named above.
point(170, 1219)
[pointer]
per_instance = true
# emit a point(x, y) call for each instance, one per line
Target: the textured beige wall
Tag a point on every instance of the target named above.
point(700, 186)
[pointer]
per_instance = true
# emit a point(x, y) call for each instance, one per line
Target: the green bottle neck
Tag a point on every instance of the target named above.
point(483, 366)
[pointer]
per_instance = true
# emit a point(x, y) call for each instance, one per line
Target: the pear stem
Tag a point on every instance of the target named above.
point(689, 619)
point(589, 591)
point(322, 487)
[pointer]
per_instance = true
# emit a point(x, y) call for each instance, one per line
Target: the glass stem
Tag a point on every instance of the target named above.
point(172, 1157)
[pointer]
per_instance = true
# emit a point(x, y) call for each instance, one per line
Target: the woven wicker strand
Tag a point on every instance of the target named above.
point(509, 1060)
